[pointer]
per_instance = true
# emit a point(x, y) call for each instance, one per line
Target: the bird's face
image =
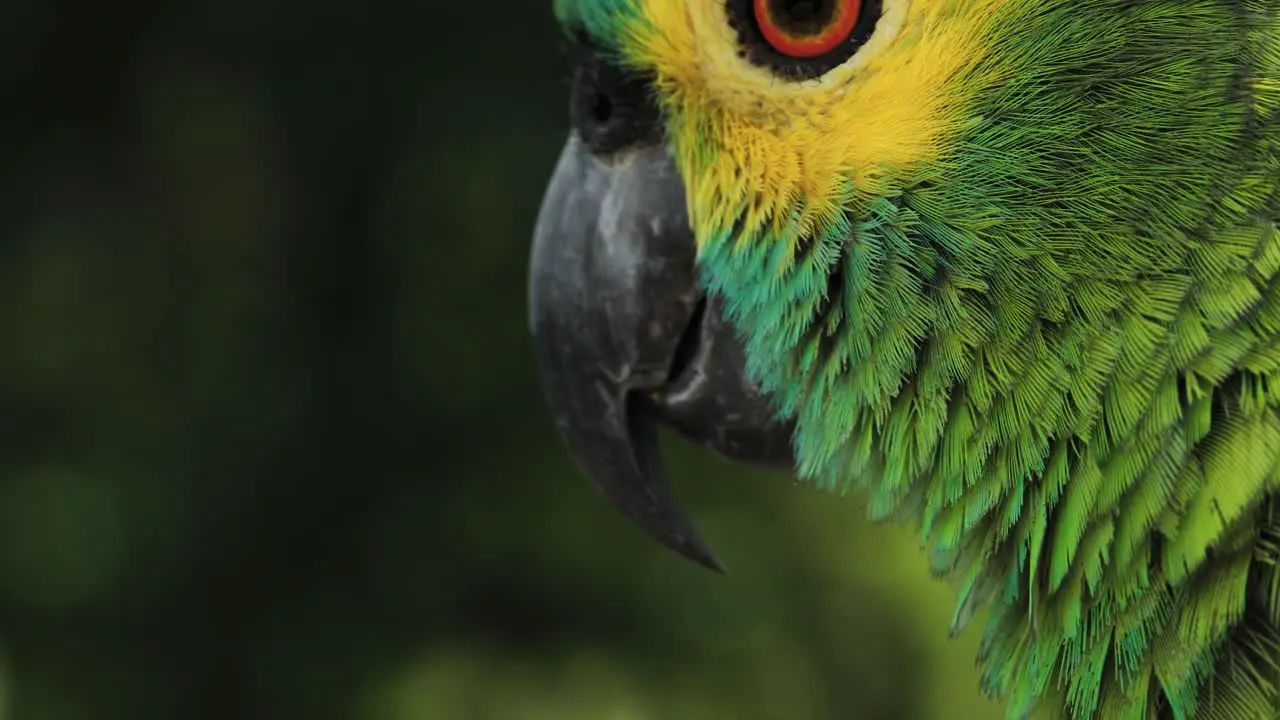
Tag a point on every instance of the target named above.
point(795, 229)
point(747, 121)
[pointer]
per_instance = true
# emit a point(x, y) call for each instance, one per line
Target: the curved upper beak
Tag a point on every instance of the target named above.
point(626, 338)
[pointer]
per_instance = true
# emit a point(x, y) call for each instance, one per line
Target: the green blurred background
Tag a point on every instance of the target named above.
point(271, 443)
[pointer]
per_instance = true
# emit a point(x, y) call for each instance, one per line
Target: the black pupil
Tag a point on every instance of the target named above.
point(803, 17)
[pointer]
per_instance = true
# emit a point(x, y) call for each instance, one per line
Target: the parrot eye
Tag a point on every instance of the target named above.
point(806, 28)
point(802, 39)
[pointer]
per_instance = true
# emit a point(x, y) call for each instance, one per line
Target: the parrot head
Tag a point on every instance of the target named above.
point(893, 242)
point(1011, 267)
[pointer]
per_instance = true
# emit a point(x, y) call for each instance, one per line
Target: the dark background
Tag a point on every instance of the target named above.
point(271, 443)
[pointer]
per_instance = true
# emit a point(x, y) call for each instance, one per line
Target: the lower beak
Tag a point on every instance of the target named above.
point(625, 338)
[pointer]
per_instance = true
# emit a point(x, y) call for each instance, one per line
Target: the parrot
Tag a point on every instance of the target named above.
point(1010, 269)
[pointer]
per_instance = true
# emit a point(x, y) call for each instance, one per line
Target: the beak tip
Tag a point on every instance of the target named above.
point(712, 563)
point(693, 548)
point(666, 524)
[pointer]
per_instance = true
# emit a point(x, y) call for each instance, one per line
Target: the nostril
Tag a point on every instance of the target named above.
point(602, 108)
point(611, 108)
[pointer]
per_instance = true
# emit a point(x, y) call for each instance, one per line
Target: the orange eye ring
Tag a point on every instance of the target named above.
point(806, 28)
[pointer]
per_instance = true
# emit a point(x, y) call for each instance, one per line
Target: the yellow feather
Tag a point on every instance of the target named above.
point(758, 142)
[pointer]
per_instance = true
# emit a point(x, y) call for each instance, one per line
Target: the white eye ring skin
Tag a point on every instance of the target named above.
point(733, 52)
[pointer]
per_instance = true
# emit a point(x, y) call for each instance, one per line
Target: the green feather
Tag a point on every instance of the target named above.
point(1059, 353)
point(1056, 351)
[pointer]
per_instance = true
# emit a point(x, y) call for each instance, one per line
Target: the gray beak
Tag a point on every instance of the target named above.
point(624, 336)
